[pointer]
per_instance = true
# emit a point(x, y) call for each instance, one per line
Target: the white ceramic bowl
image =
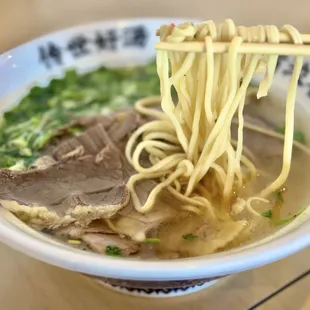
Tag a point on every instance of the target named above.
point(32, 63)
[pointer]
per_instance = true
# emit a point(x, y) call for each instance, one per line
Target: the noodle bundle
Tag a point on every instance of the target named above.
point(189, 144)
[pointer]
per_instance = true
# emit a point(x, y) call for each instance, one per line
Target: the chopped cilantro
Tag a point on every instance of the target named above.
point(283, 221)
point(151, 240)
point(290, 218)
point(189, 236)
point(113, 250)
point(267, 213)
point(31, 125)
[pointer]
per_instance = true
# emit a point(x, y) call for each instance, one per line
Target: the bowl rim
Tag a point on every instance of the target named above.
point(213, 265)
point(100, 22)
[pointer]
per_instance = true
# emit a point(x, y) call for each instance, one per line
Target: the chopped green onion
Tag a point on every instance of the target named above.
point(32, 124)
point(267, 213)
point(113, 250)
point(189, 236)
point(74, 242)
point(291, 218)
point(151, 240)
point(283, 221)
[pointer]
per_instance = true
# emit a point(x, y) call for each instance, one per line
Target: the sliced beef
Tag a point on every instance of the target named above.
point(87, 182)
point(74, 231)
point(105, 120)
point(91, 141)
point(86, 122)
point(44, 162)
point(77, 152)
point(78, 191)
point(99, 243)
point(125, 123)
point(83, 181)
point(63, 184)
point(98, 236)
point(136, 225)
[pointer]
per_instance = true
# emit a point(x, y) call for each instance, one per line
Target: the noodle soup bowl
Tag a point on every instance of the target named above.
point(117, 44)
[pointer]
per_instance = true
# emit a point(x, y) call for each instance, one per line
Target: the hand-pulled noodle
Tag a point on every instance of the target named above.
point(189, 143)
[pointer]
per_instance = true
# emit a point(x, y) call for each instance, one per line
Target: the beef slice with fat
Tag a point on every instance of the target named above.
point(79, 190)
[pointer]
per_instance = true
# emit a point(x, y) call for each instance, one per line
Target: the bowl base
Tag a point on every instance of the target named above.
point(157, 293)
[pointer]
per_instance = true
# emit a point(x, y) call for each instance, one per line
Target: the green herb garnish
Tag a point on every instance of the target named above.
point(267, 213)
point(298, 135)
point(290, 218)
point(283, 221)
point(151, 240)
point(113, 250)
point(189, 236)
point(30, 126)
point(279, 196)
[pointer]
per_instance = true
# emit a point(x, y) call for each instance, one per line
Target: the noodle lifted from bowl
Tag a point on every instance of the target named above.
point(189, 144)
